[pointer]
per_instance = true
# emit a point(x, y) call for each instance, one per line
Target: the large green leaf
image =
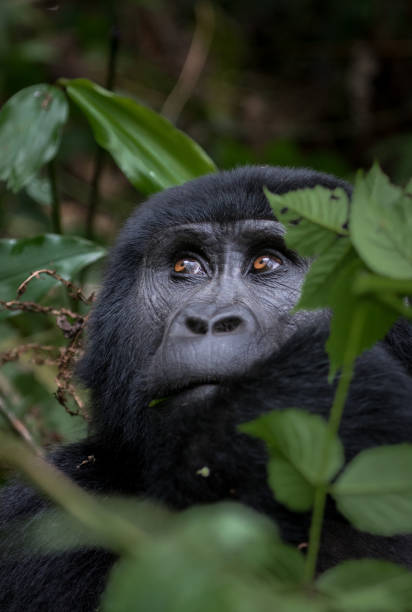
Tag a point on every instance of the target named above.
point(381, 225)
point(367, 585)
point(296, 442)
point(66, 255)
point(375, 490)
point(151, 152)
point(30, 132)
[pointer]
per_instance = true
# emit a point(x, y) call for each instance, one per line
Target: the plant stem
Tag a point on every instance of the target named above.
point(100, 153)
point(111, 529)
point(335, 417)
point(55, 211)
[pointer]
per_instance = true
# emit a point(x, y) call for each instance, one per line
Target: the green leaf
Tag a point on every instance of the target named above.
point(321, 275)
point(314, 217)
point(357, 322)
point(381, 225)
point(30, 132)
point(375, 490)
point(288, 484)
point(367, 585)
point(66, 255)
point(151, 152)
point(39, 190)
point(296, 441)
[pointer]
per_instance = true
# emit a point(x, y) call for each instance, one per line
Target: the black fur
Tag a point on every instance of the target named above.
point(156, 452)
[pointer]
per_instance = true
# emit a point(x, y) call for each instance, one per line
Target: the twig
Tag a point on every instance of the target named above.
point(63, 379)
point(56, 216)
point(74, 292)
point(20, 428)
point(100, 153)
point(34, 307)
point(15, 353)
point(194, 63)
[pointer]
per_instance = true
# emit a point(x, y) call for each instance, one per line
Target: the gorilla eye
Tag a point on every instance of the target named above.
point(266, 263)
point(188, 265)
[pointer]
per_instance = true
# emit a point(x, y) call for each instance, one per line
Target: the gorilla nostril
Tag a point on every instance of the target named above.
point(226, 325)
point(197, 325)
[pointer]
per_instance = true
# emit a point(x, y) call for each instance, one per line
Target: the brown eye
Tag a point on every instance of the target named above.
point(188, 266)
point(266, 263)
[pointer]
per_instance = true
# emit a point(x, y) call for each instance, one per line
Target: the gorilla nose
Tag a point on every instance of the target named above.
point(206, 320)
point(222, 324)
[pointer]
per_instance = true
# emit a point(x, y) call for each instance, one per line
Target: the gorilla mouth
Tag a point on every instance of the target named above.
point(195, 390)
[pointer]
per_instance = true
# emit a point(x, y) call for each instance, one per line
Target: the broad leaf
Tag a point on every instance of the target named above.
point(39, 189)
point(299, 439)
point(367, 585)
point(30, 132)
point(381, 226)
point(66, 255)
point(151, 152)
point(375, 490)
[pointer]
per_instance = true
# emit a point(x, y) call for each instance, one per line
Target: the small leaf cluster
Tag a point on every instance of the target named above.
point(362, 252)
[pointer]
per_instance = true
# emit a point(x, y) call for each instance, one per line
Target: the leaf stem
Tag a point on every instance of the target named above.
point(55, 211)
point(116, 533)
point(335, 417)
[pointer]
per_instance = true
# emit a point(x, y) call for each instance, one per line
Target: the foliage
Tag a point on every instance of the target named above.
point(228, 558)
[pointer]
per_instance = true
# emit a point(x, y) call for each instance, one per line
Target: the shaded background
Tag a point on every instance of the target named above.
point(290, 82)
point(296, 82)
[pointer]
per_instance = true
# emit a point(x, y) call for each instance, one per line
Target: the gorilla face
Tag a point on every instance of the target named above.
point(199, 289)
point(218, 300)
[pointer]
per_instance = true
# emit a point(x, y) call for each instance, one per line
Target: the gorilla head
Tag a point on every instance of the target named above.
point(199, 289)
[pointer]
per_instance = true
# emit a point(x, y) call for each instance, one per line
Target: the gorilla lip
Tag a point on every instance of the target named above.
point(195, 390)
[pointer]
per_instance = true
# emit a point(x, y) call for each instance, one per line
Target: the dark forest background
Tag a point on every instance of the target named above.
point(295, 82)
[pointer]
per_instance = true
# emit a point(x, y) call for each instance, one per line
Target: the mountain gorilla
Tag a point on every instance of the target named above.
point(195, 310)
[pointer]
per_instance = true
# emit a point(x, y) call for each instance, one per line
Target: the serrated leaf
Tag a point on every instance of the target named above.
point(319, 279)
point(314, 217)
point(66, 255)
point(381, 226)
point(379, 185)
point(375, 490)
point(371, 319)
point(367, 585)
point(299, 439)
point(290, 487)
point(30, 132)
point(151, 152)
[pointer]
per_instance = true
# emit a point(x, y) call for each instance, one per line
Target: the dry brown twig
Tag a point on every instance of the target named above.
point(70, 323)
point(74, 291)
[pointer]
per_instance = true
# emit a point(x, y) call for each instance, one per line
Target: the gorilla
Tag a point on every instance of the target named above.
point(191, 336)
